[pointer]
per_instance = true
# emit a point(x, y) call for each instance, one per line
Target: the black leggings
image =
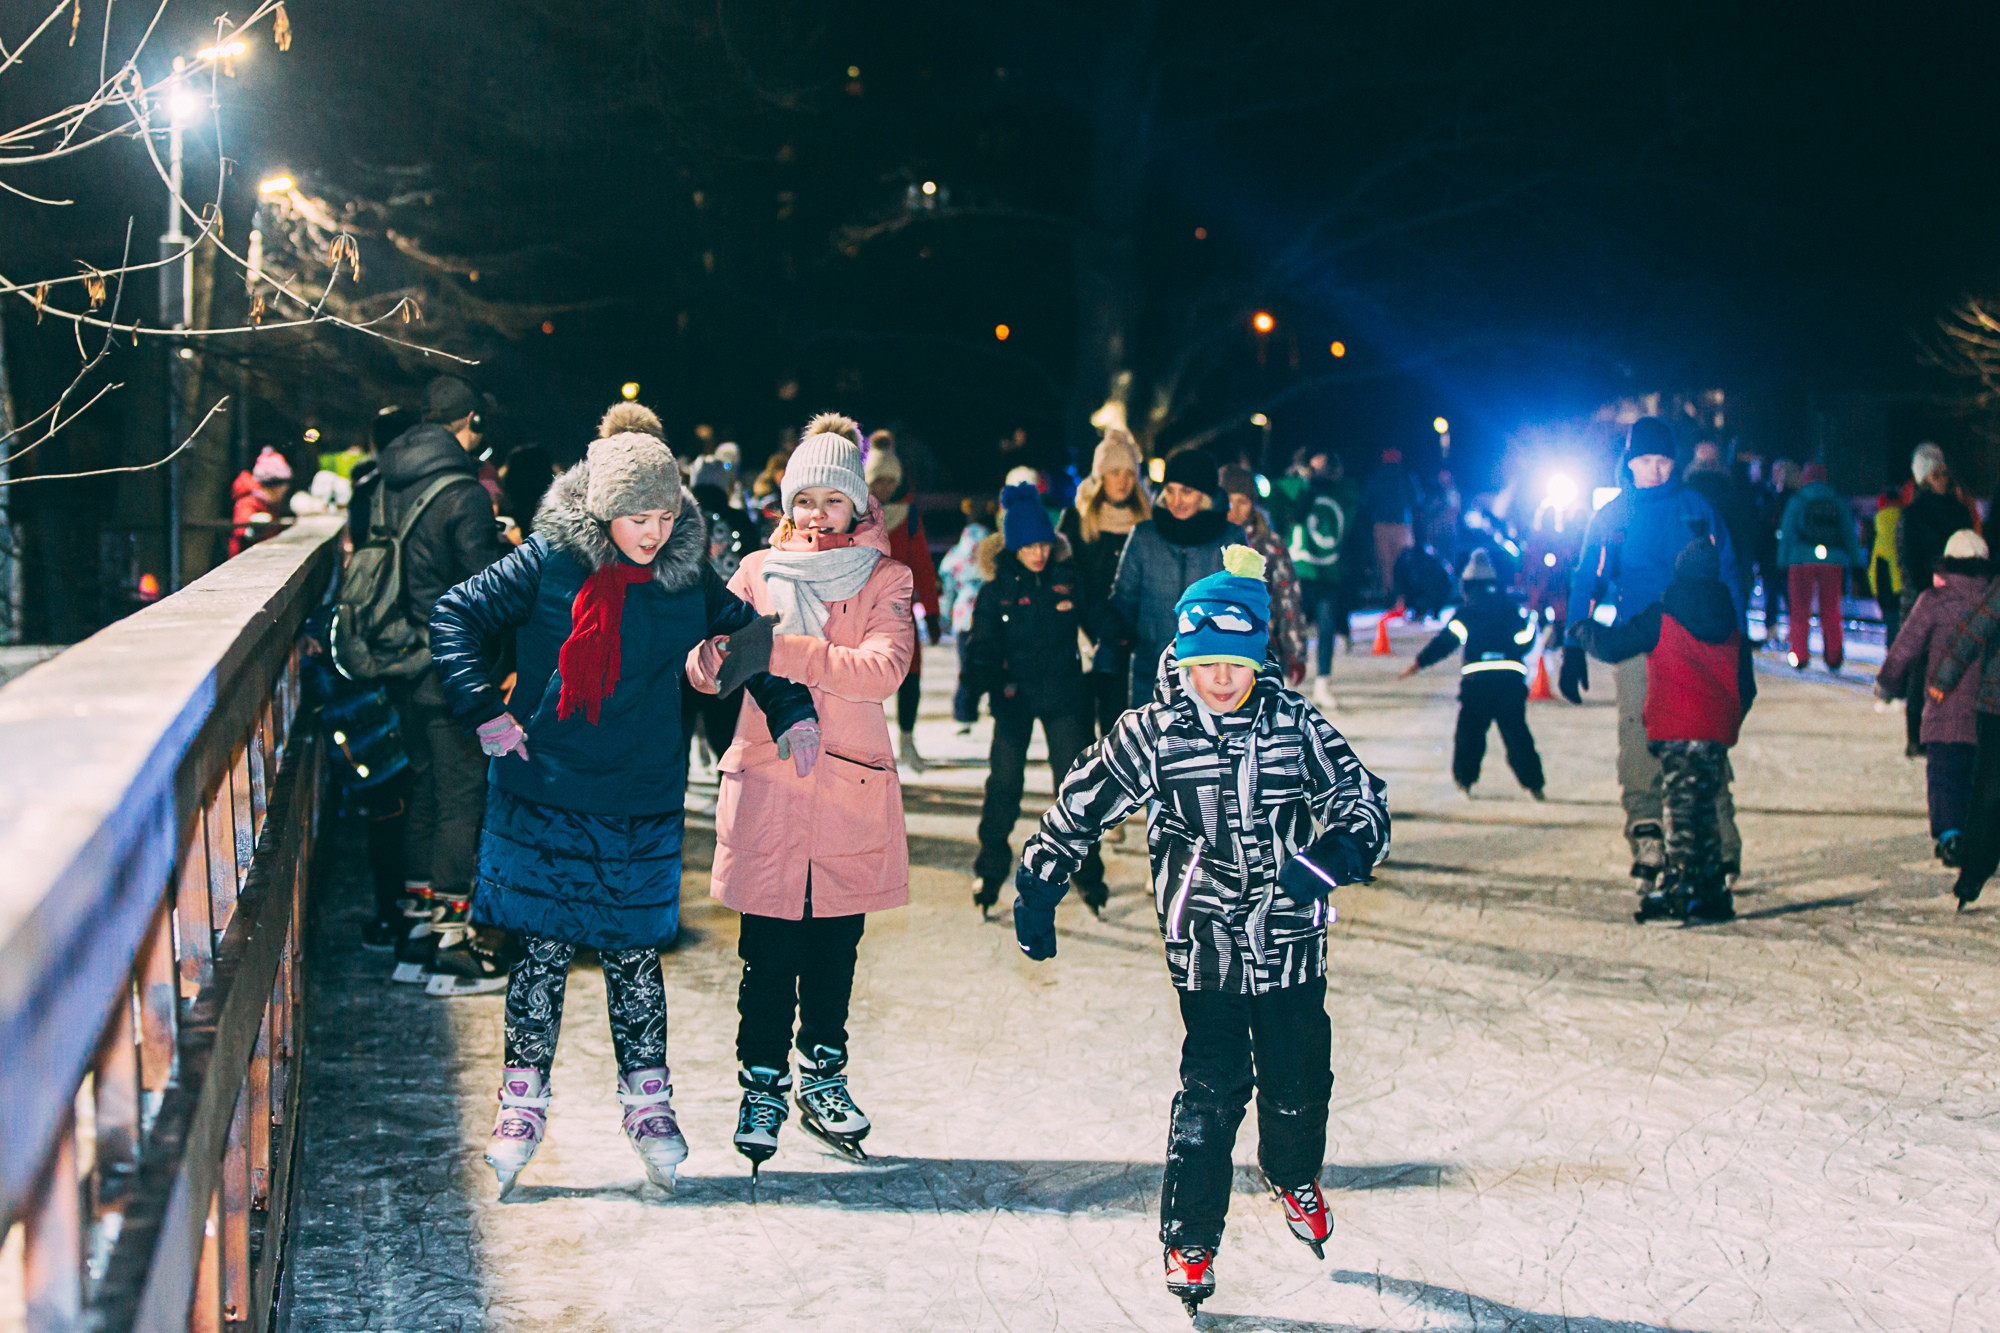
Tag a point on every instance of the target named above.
point(802, 969)
point(908, 695)
point(634, 990)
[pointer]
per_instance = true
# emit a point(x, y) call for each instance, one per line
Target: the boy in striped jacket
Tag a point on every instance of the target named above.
point(1256, 810)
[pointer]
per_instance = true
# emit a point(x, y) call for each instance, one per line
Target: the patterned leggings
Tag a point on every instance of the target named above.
point(1692, 773)
point(633, 987)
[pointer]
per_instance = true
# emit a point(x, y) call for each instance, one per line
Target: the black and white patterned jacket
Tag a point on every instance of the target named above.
point(1230, 798)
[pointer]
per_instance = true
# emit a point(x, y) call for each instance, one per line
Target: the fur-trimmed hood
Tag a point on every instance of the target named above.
point(570, 527)
point(992, 548)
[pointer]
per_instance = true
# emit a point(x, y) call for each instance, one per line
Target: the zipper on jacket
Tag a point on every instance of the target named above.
point(1177, 909)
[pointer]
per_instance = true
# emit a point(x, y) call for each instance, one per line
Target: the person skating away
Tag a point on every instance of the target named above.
point(1817, 545)
point(1627, 560)
point(1022, 654)
point(910, 546)
point(581, 846)
point(1972, 651)
point(1495, 635)
point(1950, 731)
point(1257, 811)
point(1699, 684)
point(1924, 525)
point(804, 850)
point(960, 579)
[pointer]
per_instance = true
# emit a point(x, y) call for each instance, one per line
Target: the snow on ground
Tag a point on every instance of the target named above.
point(1545, 1117)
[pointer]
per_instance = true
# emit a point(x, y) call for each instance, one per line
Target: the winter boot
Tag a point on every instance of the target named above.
point(761, 1114)
point(1649, 850)
point(1711, 902)
point(1191, 1275)
point(1663, 899)
point(650, 1123)
point(1322, 693)
point(987, 894)
point(1950, 845)
point(907, 756)
point(826, 1111)
point(518, 1129)
point(1308, 1216)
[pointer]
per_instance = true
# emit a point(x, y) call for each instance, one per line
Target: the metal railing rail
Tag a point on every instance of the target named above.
point(158, 812)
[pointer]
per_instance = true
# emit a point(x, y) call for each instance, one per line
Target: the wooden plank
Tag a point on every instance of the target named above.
point(54, 1246)
point(159, 1009)
point(115, 1087)
point(236, 1211)
point(204, 1310)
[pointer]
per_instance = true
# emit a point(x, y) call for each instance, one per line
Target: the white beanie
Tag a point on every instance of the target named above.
point(630, 473)
point(829, 454)
point(1115, 451)
point(883, 465)
point(1965, 544)
point(1927, 459)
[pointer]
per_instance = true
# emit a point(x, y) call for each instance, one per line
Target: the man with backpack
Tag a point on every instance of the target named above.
point(430, 526)
point(1816, 548)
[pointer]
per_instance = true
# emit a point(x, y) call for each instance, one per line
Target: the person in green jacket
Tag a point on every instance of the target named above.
point(1816, 548)
point(1324, 518)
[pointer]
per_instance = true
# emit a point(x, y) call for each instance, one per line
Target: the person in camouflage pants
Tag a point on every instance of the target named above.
point(1692, 773)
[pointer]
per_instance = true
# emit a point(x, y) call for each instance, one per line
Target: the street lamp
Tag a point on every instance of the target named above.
point(629, 390)
point(1443, 428)
point(1338, 348)
point(1263, 321)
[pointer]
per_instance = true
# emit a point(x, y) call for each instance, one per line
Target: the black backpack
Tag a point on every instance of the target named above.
point(1824, 523)
point(373, 637)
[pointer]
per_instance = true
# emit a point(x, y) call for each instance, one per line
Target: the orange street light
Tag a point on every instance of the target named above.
point(1263, 321)
point(1002, 332)
point(1339, 349)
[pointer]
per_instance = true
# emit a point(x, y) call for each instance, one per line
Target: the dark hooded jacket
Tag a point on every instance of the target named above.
point(1699, 677)
point(1927, 523)
point(1164, 555)
point(633, 760)
point(458, 535)
point(1022, 648)
point(1920, 649)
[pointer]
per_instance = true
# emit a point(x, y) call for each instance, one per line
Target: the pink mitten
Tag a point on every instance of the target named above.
point(800, 744)
point(709, 656)
point(501, 736)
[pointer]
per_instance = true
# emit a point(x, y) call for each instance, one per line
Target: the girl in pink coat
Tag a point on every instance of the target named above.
point(811, 837)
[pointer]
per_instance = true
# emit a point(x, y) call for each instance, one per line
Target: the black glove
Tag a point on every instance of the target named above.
point(1575, 672)
point(1035, 914)
point(749, 653)
point(1337, 857)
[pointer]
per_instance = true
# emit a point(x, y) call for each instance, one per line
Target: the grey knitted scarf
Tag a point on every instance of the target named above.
point(801, 583)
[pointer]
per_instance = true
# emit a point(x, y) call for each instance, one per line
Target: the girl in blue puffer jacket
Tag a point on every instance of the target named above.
point(582, 841)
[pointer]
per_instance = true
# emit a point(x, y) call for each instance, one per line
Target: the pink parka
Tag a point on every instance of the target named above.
point(844, 823)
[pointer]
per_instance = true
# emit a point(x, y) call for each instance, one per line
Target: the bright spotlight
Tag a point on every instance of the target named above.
point(231, 50)
point(184, 105)
point(629, 390)
point(1560, 491)
point(1263, 321)
point(1156, 468)
point(1441, 426)
point(276, 185)
point(312, 434)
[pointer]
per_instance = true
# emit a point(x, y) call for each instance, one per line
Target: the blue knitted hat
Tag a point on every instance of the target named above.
point(1226, 617)
point(1023, 521)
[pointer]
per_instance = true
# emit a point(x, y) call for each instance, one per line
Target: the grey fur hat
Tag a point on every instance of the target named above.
point(630, 418)
point(631, 473)
point(1926, 459)
point(829, 454)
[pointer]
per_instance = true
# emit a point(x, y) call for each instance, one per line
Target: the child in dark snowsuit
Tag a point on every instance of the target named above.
point(1256, 810)
point(1699, 684)
point(1493, 684)
point(1022, 651)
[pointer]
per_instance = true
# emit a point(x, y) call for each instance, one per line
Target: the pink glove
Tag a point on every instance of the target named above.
point(800, 744)
point(708, 657)
point(502, 736)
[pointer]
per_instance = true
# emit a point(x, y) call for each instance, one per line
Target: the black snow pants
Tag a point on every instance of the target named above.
point(1981, 854)
point(1691, 773)
point(1069, 734)
point(634, 992)
point(794, 969)
point(1484, 699)
point(1278, 1043)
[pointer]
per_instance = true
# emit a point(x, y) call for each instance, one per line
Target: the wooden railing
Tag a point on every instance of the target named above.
point(159, 803)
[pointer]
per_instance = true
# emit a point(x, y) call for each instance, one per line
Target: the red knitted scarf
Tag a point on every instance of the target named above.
point(589, 657)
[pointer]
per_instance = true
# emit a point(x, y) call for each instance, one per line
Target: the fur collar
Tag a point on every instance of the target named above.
point(571, 528)
point(995, 546)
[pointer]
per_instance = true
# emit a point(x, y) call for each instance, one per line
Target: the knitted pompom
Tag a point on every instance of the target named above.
point(832, 423)
point(630, 419)
point(1243, 562)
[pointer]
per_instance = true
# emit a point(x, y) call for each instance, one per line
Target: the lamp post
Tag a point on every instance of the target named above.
point(176, 305)
point(1263, 423)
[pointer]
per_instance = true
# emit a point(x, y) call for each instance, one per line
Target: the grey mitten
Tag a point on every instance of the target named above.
point(749, 653)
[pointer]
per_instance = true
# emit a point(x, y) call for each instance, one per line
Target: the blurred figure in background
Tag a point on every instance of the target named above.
point(1326, 513)
point(1110, 502)
point(525, 476)
point(961, 574)
point(1288, 622)
point(258, 498)
point(1182, 542)
point(1885, 569)
point(1933, 514)
point(910, 545)
point(1708, 475)
point(1390, 496)
point(1817, 546)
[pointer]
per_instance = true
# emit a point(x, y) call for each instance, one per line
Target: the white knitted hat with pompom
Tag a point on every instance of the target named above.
point(829, 454)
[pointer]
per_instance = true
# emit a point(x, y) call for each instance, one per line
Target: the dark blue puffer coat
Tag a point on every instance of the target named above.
point(582, 841)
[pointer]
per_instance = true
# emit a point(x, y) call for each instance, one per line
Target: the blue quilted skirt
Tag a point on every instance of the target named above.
point(604, 881)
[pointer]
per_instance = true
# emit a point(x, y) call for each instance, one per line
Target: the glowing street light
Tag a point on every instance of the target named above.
point(1263, 321)
point(230, 50)
point(930, 187)
point(184, 106)
point(1441, 426)
point(1259, 419)
point(1560, 492)
point(272, 186)
point(1339, 349)
point(1002, 332)
point(629, 390)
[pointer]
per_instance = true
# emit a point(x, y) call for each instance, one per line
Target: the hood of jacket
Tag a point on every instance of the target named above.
point(1697, 598)
point(571, 528)
point(421, 453)
point(1206, 526)
point(993, 549)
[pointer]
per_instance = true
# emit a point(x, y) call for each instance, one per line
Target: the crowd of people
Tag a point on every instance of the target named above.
point(518, 666)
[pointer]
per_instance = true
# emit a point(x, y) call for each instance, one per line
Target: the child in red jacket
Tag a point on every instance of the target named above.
point(1699, 684)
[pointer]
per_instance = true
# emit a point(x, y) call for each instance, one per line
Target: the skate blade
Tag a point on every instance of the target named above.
point(444, 985)
point(851, 1149)
point(408, 974)
point(664, 1177)
point(507, 1182)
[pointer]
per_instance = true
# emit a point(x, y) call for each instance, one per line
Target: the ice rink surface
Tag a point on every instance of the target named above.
point(1544, 1117)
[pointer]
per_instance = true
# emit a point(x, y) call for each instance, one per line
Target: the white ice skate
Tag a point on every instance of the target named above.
point(826, 1110)
point(650, 1123)
point(762, 1113)
point(1322, 695)
point(518, 1129)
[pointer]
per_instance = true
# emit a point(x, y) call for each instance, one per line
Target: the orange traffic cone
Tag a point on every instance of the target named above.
point(1382, 648)
point(1540, 689)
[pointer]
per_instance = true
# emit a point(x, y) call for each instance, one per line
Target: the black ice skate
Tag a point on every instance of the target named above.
point(1191, 1275)
point(1664, 900)
point(826, 1111)
point(1094, 896)
point(1712, 904)
point(761, 1114)
point(983, 897)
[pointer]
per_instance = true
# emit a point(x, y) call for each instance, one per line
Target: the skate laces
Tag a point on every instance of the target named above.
point(763, 1112)
point(1306, 1198)
point(650, 1115)
point(830, 1095)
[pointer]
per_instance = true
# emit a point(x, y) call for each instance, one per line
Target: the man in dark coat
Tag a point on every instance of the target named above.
point(456, 536)
point(1182, 542)
point(1708, 476)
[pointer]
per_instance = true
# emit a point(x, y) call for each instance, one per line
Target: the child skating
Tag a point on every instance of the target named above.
point(807, 840)
point(1699, 684)
point(1257, 811)
point(1495, 634)
point(582, 841)
point(1022, 653)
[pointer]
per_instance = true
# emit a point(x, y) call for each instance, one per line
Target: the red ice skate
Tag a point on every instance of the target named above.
point(1307, 1215)
point(1191, 1275)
